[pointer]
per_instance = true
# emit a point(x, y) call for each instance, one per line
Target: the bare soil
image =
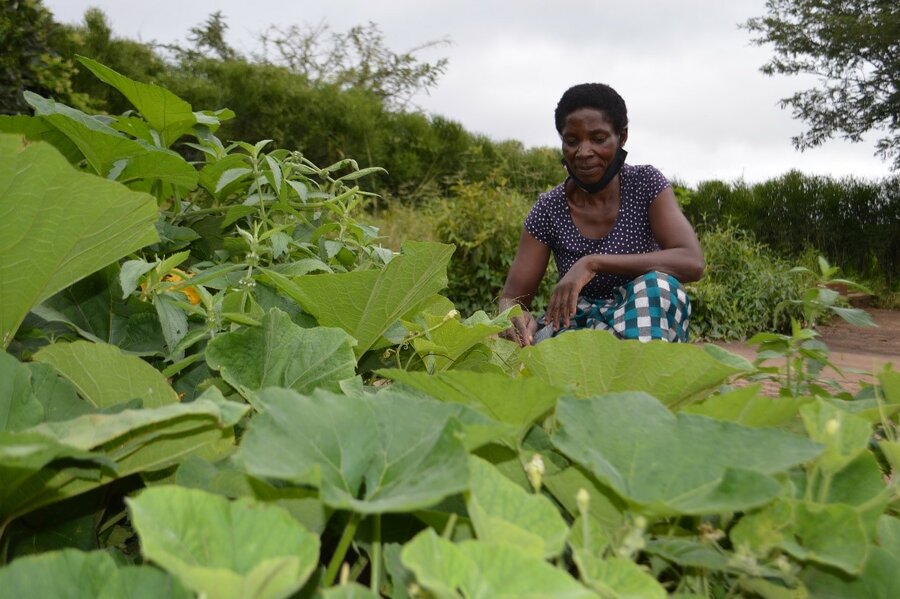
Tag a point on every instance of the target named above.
point(858, 352)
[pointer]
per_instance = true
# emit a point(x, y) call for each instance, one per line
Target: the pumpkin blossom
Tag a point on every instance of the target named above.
point(190, 292)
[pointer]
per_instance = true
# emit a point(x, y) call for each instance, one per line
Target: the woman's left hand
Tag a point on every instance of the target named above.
point(564, 301)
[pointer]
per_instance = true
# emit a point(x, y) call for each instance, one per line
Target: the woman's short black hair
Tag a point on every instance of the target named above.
point(593, 95)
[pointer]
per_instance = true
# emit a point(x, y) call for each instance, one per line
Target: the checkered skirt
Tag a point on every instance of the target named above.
point(652, 306)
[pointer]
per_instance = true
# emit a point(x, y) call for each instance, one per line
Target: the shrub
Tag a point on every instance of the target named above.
point(744, 283)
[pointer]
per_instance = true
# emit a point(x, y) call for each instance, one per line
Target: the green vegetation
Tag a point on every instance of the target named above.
point(217, 384)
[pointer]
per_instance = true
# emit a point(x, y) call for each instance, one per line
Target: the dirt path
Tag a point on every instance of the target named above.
point(858, 352)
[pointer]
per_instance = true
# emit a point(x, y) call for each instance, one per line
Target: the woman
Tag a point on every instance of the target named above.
point(621, 244)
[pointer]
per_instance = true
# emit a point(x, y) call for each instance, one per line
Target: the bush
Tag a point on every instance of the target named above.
point(744, 284)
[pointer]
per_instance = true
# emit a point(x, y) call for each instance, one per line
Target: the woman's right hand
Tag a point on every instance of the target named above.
point(522, 330)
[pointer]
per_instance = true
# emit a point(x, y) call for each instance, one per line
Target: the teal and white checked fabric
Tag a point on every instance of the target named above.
point(652, 306)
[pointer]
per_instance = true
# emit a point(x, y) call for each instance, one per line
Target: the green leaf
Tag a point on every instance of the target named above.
point(94, 308)
point(832, 535)
point(346, 591)
point(19, 408)
point(112, 154)
point(167, 113)
point(35, 128)
point(504, 513)
point(844, 435)
point(683, 464)
point(890, 385)
point(367, 303)
point(104, 376)
point(75, 574)
point(620, 578)
point(387, 453)
point(604, 506)
point(878, 579)
point(58, 225)
point(747, 407)
point(131, 441)
point(483, 571)
point(447, 339)
point(889, 534)
point(281, 354)
point(195, 536)
point(519, 402)
point(56, 394)
point(695, 554)
point(590, 363)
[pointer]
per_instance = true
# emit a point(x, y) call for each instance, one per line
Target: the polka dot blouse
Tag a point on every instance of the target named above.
point(550, 222)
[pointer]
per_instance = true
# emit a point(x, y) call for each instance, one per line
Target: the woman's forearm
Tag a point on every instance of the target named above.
point(683, 264)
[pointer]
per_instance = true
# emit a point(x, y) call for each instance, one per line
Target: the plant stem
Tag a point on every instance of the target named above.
point(341, 549)
point(375, 583)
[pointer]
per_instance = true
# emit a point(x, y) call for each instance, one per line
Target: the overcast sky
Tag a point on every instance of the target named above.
point(698, 106)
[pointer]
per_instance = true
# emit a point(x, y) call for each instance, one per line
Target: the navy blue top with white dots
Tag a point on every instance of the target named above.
point(550, 222)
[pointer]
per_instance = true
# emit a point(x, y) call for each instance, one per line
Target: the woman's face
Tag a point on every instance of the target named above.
point(589, 143)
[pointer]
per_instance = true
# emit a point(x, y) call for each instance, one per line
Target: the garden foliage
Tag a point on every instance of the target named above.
point(245, 396)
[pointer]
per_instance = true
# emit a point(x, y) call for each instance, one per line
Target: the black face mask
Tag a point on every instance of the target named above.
point(611, 171)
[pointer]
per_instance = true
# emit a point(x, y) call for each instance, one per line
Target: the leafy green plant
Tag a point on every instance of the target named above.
point(583, 466)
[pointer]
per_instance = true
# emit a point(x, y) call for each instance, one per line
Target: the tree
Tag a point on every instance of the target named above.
point(853, 47)
point(358, 58)
point(28, 60)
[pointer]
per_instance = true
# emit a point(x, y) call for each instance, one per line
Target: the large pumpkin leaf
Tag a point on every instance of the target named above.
point(590, 363)
point(746, 406)
point(387, 453)
point(221, 548)
point(504, 513)
point(127, 442)
point(367, 303)
point(445, 339)
point(483, 571)
point(19, 408)
point(24, 457)
point(878, 579)
point(618, 578)
point(665, 464)
point(518, 402)
point(281, 354)
point(58, 225)
point(844, 435)
point(832, 535)
point(73, 574)
point(104, 376)
point(167, 113)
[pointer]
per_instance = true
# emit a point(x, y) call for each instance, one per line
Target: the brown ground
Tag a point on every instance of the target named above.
point(858, 352)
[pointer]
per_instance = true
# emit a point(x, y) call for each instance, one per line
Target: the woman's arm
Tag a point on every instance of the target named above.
point(522, 283)
point(679, 255)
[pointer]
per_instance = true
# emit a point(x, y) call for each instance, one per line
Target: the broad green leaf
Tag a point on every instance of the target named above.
point(58, 225)
point(620, 578)
point(844, 435)
point(891, 451)
point(889, 534)
point(831, 535)
point(367, 303)
point(73, 574)
point(665, 464)
point(346, 591)
point(94, 308)
point(19, 408)
point(519, 402)
point(387, 453)
point(281, 354)
point(878, 579)
point(57, 395)
point(446, 339)
point(747, 407)
point(483, 571)
point(604, 506)
point(890, 385)
point(504, 513)
point(167, 113)
point(691, 553)
point(112, 154)
point(130, 441)
point(35, 128)
point(104, 376)
point(23, 459)
point(221, 548)
point(590, 363)
point(226, 478)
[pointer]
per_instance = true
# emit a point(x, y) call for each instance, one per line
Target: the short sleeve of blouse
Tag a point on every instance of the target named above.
point(651, 179)
point(540, 221)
